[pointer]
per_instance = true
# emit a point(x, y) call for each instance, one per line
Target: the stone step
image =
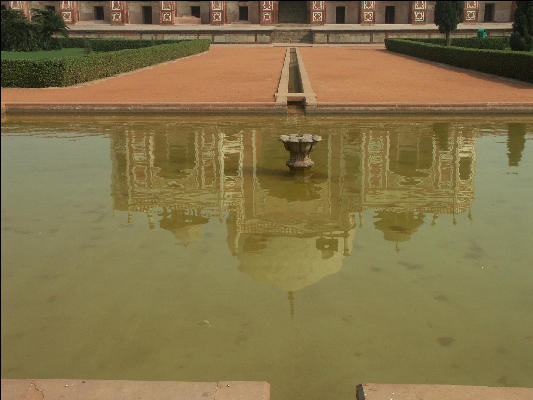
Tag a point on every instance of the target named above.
point(290, 36)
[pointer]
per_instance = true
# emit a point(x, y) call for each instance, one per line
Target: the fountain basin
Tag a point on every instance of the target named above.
point(299, 146)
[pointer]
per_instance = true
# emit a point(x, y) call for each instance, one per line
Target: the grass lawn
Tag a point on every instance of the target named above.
point(41, 54)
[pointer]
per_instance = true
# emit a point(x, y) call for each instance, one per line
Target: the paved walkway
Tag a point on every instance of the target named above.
point(223, 74)
point(344, 79)
point(370, 75)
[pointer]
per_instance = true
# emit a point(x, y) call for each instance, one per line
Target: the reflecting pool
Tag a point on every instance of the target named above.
point(158, 247)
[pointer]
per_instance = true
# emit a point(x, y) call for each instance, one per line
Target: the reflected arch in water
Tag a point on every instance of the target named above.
point(516, 141)
point(185, 225)
point(398, 227)
point(290, 263)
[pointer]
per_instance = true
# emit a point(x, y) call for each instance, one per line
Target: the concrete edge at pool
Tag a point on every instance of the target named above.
point(17, 389)
point(272, 107)
point(400, 108)
point(203, 107)
point(373, 391)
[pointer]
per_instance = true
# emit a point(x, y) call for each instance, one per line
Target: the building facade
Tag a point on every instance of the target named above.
point(261, 12)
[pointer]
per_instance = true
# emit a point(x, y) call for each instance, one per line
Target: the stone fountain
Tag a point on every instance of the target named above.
point(299, 146)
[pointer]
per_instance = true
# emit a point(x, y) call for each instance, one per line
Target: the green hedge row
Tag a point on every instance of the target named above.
point(101, 45)
point(494, 43)
point(511, 64)
point(68, 71)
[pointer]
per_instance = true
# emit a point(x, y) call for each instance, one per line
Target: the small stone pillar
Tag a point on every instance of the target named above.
point(317, 12)
point(368, 12)
point(217, 12)
point(418, 14)
point(471, 12)
point(21, 6)
point(167, 12)
point(69, 11)
point(268, 12)
point(119, 13)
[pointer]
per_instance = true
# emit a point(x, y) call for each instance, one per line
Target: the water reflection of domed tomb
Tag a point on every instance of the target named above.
point(187, 179)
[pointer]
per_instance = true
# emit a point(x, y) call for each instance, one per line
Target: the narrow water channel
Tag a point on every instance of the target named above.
point(295, 80)
point(181, 248)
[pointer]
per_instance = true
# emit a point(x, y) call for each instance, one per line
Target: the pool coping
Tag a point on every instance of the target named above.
point(181, 107)
point(396, 107)
point(278, 106)
point(372, 391)
point(16, 389)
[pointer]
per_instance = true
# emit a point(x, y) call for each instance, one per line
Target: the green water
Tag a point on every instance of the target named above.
point(180, 248)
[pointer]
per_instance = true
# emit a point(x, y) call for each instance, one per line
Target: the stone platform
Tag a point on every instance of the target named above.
point(56, 389)
point(284, 33)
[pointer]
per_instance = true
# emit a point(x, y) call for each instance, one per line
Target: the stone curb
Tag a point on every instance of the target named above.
point(355, 108)
point(271, 107)
point(246, 107)
point(283, 86)
point(372, 391)
point(30, 389)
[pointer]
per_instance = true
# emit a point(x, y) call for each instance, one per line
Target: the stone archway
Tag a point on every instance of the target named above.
point(292, 12)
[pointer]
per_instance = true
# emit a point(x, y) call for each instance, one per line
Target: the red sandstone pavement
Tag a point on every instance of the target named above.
point(223, 74)
point(370, 75)
point(246, 78)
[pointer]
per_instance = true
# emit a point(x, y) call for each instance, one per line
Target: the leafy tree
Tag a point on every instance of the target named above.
point(18, 34)
point(48, 24)
point(522, 36)
point(447, 15)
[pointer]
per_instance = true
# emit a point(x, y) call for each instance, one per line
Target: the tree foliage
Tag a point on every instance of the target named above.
point(48, 23)
point(447, 16)
point(522, 36)
point(19, 34)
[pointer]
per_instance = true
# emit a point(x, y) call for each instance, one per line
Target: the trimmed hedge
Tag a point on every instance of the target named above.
point(102, 45)
point(494, 42)
point(68, 71)
point(511, 64)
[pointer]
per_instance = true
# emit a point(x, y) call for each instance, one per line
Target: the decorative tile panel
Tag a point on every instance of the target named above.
point(368, 12)
point(217, 12)
point(166, 12)
point(119, 12)
point(67, 16)
point(69, 11)
point(268, 12)
point(471, 11)
point(418, 12)
point(318, 12)
point(166, 6)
